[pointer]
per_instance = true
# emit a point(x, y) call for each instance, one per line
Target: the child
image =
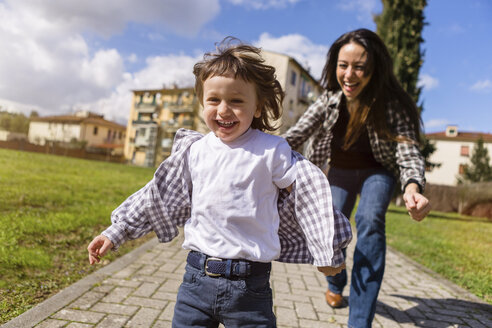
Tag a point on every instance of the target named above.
point(225, 187)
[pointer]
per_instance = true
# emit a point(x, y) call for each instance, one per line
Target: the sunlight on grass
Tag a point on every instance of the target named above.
point(50, 209)
point(457, 249)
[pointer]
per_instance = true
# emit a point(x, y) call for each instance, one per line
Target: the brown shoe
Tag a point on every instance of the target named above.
point(334, 300)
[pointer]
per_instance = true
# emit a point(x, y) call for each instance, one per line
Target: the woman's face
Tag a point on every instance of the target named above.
point(351, 65)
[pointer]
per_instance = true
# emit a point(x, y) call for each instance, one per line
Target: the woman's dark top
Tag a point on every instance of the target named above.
point(358, 155)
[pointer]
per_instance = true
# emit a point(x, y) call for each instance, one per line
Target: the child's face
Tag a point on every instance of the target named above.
point(229, 106)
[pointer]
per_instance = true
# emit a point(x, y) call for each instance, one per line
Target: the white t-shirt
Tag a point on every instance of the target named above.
point(235, 190)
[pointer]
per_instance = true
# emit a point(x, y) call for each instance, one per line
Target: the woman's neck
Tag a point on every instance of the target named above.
point(352, 105)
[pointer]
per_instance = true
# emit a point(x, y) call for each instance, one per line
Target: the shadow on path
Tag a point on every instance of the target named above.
point(439, 312)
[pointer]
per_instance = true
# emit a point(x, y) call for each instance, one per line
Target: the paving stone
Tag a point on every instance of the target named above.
point(143, 318)
point(78, 325)
point(162, 324)
point(117, 295)
point(113, 321)
point(115, 308)
point(87, 300)
point(305, 311)
point(333, 318)
point(146, 302)
point(168, 312)
point(170, 286)
point(385, 322)
point(316, 324)
point(165, 296)
point(122, 282)
point(286, 317)
point(78, 315)
point(146, 289)
point(52, 323)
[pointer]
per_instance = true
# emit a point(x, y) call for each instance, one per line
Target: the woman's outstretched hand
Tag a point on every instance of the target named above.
point(98, 247)
point(417, 204)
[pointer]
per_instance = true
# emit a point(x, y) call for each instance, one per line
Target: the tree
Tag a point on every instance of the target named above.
point(400, 26)
point(14, 122)
point(479, 170)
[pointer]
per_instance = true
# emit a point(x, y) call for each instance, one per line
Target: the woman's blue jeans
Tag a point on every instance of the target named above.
point(376, 189)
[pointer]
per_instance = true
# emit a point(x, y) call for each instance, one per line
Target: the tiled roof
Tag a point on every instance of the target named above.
point(72, 119)
point(462, 136)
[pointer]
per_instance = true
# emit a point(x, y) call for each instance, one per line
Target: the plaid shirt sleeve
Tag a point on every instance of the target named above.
point(163, 204)
point(326, 230)
point(408, 156)
point(307, 124)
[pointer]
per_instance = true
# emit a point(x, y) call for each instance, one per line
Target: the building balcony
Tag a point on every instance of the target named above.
point(143, 123)
point(175, 108)
point(146, 108)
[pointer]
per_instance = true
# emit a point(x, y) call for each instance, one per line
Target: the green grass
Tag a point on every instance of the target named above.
point(458, 248)
point(50, 209)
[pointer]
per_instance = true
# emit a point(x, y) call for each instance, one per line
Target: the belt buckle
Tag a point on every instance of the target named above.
point(211, 274)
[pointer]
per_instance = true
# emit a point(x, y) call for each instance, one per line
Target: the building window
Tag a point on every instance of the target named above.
point(465, 151)
point(462, 169)
point(109, 134)
point(94, 132)
point(293, 78)
point(119, 135)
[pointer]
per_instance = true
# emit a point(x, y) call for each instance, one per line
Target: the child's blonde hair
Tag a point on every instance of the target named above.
point(243, 61)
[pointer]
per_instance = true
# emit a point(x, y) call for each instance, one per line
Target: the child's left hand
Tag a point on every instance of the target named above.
point(98, 247)
point(331, 271)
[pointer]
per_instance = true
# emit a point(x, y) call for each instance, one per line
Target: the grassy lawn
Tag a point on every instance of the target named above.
point(50, 209)
point(458, 248)
point(52, 206)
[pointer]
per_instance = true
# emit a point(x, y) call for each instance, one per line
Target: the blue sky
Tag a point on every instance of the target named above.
point(58, 56)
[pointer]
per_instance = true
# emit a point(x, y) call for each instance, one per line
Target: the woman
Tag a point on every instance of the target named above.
point(365, 127)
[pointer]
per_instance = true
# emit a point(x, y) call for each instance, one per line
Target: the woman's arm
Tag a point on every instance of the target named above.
point(308, 123)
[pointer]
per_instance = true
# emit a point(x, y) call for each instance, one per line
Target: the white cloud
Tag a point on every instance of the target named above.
point(161, 71)
point(263, 4)
point(184, 17)
point(427, 82)
point(436, 123)
point(133, 58)
point(484, 86)
point(47, 62)
point(364, 8)
point(311, 56)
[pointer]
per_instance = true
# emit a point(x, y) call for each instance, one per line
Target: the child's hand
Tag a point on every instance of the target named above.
point(98, 247)
point(331, 271)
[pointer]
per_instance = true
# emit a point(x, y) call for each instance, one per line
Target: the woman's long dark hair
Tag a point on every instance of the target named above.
point(383, 89)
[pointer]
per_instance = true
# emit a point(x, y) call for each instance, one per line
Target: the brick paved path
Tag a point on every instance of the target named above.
point(139, 290)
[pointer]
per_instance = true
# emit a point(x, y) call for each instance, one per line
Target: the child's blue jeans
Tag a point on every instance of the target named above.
point(206, 301)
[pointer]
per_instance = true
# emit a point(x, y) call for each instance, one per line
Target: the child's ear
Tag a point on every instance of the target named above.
point(258, 112)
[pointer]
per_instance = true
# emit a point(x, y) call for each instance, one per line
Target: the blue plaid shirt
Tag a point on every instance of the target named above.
point(402, 158)
point(310, 230)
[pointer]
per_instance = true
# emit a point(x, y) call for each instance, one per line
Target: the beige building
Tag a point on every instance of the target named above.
point(453, 151)
point(83, 127)
point(300, 88)
point(156, 115)
point(9, 136)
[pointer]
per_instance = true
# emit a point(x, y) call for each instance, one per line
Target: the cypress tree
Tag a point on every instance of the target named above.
point(479, 170)
point(400, 26)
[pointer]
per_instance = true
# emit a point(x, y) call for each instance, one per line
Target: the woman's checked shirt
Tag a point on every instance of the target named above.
point(403, 159)
point(310, 230)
